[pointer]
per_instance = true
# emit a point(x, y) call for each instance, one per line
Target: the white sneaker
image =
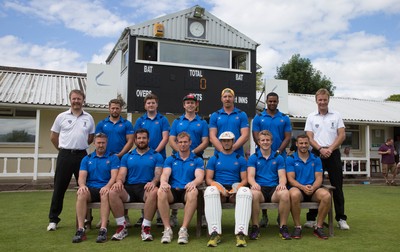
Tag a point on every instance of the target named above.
point(52, 226)
point(167, 235)
point(342, 224)
point(183, 236)
point(146, 235)
point(120, 233)
point(310, 224)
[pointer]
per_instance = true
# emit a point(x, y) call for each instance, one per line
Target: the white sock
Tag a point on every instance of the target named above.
point(146, 223)
point(120, 221)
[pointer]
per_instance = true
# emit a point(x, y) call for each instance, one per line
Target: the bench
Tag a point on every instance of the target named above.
point(200, 209)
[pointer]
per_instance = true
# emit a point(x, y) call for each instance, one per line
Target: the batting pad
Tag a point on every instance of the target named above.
point(213, 209)
point(243, 210)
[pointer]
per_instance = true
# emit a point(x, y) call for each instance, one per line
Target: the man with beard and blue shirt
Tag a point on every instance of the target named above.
point(96, 176)
point(137, 181)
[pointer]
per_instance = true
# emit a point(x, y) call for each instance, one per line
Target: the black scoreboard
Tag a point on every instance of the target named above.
point(171, 83)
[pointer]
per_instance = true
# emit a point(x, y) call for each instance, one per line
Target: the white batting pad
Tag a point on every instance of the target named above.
point(243, 210)
point(213, 209)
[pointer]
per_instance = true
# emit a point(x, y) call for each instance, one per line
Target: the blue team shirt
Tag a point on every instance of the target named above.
point(277, 125)
point(182, 171)
point(197, 129)
point(227, 168)
point(266, 169)
point(99, 168)
point(141, 167)
point(304, 172)
point(233, 122)
point(116, 133)
point(155, 127)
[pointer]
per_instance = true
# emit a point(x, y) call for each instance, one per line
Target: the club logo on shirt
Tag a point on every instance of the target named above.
point(274, 162)
point(191, 164)
point(236, 163)
point(108, 162)
point(175, 163)
point(90, 162)
point(317, 126)
point(237, 117)
point(332, 125)
point(296, 164)
point(156, 122)
point(84, 124)
point(69, 121)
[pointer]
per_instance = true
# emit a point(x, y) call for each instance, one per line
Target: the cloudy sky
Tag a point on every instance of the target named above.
point(356, 43)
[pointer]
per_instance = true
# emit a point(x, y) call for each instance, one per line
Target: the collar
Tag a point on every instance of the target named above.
point(235, 111)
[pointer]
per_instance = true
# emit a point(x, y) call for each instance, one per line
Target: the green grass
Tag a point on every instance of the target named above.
point(373, 215)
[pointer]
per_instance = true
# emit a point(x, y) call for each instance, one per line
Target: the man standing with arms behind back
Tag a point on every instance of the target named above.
point(118, 130)
point(326, 131)
point(71, 134)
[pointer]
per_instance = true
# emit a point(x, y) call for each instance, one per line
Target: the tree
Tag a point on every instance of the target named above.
point(302, 77)
point(393, 97)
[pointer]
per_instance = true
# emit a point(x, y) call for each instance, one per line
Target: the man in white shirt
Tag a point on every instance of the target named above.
point(326, 131)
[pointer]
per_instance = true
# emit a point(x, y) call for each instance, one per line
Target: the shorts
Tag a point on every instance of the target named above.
point(178, 195)
point(94, 194)
point(136, 192)
point(306, 198)
point(267, 192)
point(389, 168)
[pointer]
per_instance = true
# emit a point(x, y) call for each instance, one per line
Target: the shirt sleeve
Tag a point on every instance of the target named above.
point(244, 120)
point(256, 124)
point(173, 131)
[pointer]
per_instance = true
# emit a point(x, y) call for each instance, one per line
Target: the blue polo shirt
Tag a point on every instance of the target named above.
point(278, 125)
point(304, 171)
point(182, 171)
point(197, 129)
point(155, 127)
point(99, 168)
point(141, 167)
point(233, 122)
point(116, 133)
point(266, 169)
point(227, 168)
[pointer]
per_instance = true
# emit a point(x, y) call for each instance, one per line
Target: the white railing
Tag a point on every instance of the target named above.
point(356, 166)
point(351, 165)
point(21, 171)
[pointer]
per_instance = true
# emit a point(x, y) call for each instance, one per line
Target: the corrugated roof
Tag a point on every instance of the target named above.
point(38, 87)
point(351, 109)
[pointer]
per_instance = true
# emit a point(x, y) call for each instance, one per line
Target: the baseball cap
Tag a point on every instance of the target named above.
point(190, 97)
point(226, 135)
point(227, 90)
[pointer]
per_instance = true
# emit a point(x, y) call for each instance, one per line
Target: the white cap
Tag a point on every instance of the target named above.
point(227, 135)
